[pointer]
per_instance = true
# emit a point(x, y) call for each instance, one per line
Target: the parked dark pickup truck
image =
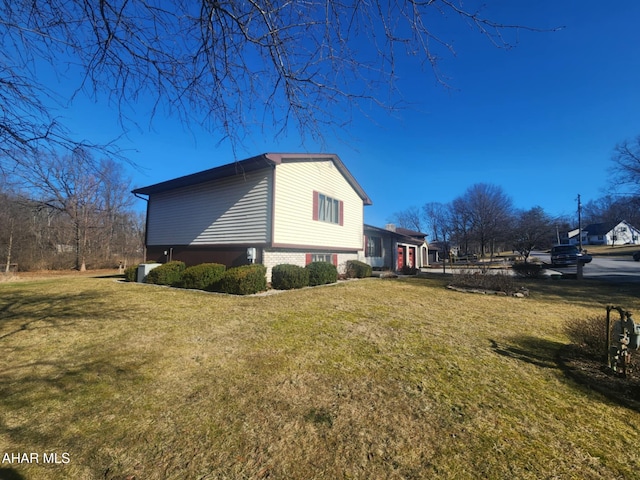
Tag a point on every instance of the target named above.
point(564, 255)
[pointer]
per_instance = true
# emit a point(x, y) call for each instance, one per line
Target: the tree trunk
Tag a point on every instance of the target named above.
point(8, 266)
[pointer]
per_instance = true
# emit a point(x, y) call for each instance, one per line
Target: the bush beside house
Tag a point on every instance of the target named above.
point(358, 269)
point(244, 280)
point(287, 277)
point(203, 276)
point(321, 273)
point(131, 273)
point(168, 273)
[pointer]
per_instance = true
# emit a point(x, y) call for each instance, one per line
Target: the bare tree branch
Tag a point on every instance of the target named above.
point(229, 66)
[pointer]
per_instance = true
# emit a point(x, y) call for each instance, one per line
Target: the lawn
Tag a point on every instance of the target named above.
point(375, 378)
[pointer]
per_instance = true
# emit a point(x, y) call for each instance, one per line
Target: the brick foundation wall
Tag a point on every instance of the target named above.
point(271, 258)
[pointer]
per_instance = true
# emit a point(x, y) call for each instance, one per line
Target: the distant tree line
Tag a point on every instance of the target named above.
point(69, 211)
point(484, 221)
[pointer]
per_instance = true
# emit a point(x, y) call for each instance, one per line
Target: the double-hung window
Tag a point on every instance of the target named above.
point(327, 209)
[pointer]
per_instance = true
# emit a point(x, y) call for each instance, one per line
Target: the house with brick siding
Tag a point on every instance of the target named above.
point(273, 208)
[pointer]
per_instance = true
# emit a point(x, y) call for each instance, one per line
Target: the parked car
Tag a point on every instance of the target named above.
point(636, 256)
point(564, 255)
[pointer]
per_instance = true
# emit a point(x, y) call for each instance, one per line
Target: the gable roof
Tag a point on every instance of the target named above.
point(249, 165)
point(605, 227)
point(600, 228)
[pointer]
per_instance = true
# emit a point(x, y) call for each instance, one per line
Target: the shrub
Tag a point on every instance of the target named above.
point(531, 270)
point(131, 273)
point(203, 276)
point(286, 277)
point(358, 269)
point(166, 274)
point(321, 273)
point(497, 282)
point(589, 333)
point(243, 280)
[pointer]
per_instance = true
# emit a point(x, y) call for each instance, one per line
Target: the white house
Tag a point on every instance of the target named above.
point(612, 233)
point(276, 207)
point(621, 233)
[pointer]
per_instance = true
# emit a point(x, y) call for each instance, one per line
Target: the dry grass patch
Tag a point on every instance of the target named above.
point(366, 379)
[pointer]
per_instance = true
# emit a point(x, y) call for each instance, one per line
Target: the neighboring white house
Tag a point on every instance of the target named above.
point(279, 208)
point(621, 233)
point(392, 248)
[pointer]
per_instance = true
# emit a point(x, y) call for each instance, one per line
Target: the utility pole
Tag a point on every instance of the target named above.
point(579, 222)
point(579, 265)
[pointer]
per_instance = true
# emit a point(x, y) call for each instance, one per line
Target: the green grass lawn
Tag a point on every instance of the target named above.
point(369, 379)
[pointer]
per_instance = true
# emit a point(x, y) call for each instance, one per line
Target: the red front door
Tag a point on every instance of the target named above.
point(412, 257)
point(400, 257)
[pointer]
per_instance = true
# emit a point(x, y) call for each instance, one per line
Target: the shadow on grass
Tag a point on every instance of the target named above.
point(10, 474)
point(582, 371)
point(22, 311)
point(79, 375)
point(588, 292)
point(49, 402)
point(536, 351)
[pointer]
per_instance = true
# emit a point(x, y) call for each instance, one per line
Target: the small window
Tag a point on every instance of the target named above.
point(322, 257)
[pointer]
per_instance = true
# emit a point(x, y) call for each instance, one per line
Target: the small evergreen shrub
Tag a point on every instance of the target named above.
point(167, 274)
point(321, 273)
point(243, 280)
point(287, 277)
point(358, 269)
point(203, 276)
point(131, 273)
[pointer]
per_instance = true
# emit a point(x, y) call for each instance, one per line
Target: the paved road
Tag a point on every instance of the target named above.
point(614, 269)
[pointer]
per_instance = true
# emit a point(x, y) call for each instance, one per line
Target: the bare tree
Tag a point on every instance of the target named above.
point(438, 219)
point(626, 164)
point(612, 209)
point(408, 218)
point(485, 212)
point(533, 229)
point(226, 65)
point(89, 193)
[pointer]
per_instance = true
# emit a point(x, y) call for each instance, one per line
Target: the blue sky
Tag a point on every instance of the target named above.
point(539, 120)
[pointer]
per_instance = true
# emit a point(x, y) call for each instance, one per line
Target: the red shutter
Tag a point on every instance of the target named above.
point(341, 217)
point(308, 258)
point(334, 259)
point(315, 204)
point(364, 245)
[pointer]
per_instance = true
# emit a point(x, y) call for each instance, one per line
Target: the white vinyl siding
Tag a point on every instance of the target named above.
point(294, 224)
point(234, 210)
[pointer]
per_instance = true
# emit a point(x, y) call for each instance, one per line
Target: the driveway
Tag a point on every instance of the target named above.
point(612, 269)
